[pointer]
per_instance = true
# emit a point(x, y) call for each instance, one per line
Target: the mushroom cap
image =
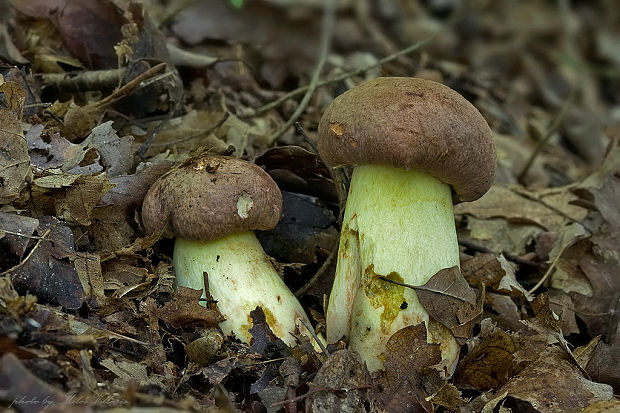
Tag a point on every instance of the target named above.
point(208, 197)
point(411, 123)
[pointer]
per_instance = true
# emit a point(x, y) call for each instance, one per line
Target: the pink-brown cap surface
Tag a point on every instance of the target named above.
point(209, 197)
point(411, 123)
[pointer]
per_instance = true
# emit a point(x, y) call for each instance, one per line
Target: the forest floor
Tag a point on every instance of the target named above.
point(100, 98)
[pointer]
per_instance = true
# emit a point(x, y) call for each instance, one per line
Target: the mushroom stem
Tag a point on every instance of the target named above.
point(240, 278)
point(398, 224)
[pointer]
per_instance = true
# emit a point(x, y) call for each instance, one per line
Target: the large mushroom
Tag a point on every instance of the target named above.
point(412, 142)
point(212, 205)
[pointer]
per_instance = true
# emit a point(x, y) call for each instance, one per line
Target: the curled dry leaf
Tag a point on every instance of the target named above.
point(15, 161)
point(262, 336)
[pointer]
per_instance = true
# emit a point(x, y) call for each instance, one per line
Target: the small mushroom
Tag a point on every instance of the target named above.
point(212, 205)
point(410, 141)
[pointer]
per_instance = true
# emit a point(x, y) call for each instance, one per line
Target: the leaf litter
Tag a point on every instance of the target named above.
point(100, 98)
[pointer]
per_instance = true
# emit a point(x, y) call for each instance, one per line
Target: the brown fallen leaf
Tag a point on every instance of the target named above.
point(491, 363)
point(550, 384)
point(408, 355)
point(16, 232)
point(263, 339)
point(89, 28)
point(48, 270)
point(81, 198)
point(14, 162)
point(341, 385)
point(184, 309)
point(495, 272)
point(548, 209)
point(603, 366)
point(450, 300)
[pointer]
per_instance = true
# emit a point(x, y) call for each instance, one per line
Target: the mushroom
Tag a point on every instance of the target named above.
point(213, 204)
point(410, 140)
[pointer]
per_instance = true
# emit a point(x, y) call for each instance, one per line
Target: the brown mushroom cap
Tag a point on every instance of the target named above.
point(209, 197)
point(411, 123)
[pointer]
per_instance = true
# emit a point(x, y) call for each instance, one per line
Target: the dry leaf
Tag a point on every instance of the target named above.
point(14, 162)
point(345, 381)
point(491, 363)
point(448, 298)
point(48, 271)
point(551, 384)
point(184, 309)
point(408, 355)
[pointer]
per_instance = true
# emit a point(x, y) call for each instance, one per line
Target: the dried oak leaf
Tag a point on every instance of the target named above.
point(128, 371)
point(408, 355)
point(81, 198)
point(15, 161)
point(341, 384)
point(448, 298)
point(185, 309)
point(551, 384)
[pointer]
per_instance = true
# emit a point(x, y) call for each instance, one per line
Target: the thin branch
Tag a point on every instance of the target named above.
point(219, 123)
point(408, 50)
point(509, 256)
point(320, 389)
point(22, 262)
point(329, 16)
point(553, 127)
point(330, 258)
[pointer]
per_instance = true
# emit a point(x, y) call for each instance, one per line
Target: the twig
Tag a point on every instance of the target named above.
point(127, 88)
point(326, 35)
point(197, 135)
point(319, 390)
point(551, 267)
point(330, 258)
point(555, 124)
point(315, 337)
point(408, 50)
point(22, 262)
point(509, 256)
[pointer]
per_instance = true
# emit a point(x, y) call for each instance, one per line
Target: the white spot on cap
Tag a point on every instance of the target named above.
point(244, 204)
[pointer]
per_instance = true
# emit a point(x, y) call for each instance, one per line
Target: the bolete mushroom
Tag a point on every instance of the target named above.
point(410, 141)
point(213, 204)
